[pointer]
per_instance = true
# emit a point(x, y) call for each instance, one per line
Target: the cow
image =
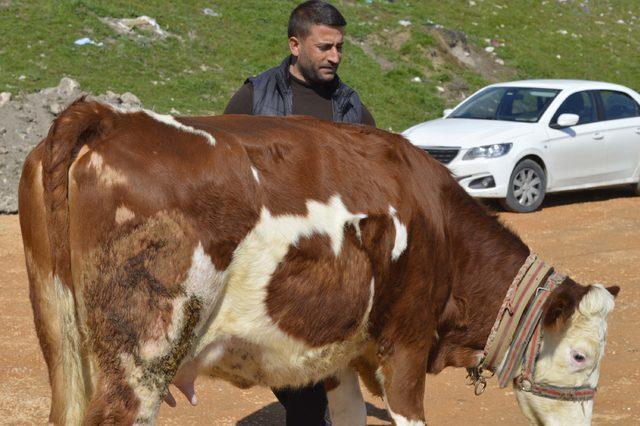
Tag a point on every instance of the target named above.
point(274, 252)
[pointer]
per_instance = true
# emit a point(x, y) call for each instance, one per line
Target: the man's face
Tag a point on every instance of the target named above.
point(319, 53)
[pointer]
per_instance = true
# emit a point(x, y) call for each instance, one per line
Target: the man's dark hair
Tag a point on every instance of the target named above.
point(313, 12)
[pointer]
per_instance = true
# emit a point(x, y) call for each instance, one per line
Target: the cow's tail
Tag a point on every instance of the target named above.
point(80, 123)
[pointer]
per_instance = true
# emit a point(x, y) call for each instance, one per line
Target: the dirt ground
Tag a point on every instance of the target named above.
point(592, 236)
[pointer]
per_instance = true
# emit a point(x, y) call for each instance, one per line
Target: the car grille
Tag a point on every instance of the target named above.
point(443, 155)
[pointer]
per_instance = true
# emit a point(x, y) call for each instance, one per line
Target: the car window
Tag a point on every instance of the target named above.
point(581, 104)
point(507, 104)
point(618, 105)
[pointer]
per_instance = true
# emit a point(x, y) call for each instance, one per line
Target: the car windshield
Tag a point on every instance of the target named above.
point(525, 104)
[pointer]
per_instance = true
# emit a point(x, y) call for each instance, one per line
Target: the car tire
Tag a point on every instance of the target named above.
point(527, 188)
point(635, 188)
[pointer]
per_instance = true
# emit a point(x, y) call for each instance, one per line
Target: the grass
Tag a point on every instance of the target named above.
point(198, 69)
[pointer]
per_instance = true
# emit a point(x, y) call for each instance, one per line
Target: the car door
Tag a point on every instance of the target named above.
point(621, 114)
point(575, 154)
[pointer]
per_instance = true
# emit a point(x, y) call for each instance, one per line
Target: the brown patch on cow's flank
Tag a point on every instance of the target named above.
point(130, 287)
point(139, 277)
point(318, 297)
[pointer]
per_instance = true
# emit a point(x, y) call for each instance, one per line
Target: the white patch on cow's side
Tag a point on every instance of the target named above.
point(281, 359)
point(106, 174)
point(255, 174)
point(400, 243)
point(166, 119)
point(356, 224)
point(171, 121)
point(346, 404)
point(123, 214)
point(148, 396)
point(96, 161)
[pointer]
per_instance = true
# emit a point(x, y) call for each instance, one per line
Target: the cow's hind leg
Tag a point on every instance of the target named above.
point(53, 306)
point(402, 376)
point(147, 293)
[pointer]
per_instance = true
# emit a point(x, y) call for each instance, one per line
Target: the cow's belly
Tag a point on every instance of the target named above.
point(243, 345)
point(247, 364)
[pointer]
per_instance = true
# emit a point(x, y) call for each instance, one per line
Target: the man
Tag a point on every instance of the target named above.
point(305, 83)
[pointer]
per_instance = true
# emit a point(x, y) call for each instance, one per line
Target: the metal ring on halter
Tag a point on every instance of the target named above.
point(525, 385)
point(480, 386)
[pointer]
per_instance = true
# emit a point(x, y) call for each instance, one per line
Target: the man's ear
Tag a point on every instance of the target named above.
point(562, 304)
point(294, 46)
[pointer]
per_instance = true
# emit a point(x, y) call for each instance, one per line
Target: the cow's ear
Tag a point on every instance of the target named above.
point(562, 303)
point(614, 290)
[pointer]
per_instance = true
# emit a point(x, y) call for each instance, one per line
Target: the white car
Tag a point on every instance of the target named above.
point(517, 141)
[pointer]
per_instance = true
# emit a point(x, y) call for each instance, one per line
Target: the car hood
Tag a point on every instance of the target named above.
point(466, 133)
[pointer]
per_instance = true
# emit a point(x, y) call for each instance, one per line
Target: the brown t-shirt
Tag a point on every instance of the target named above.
point(307, 100)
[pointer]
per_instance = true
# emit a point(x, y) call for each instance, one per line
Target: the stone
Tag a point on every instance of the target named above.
point(55, 108)
point(129, 98)
point(5, 97)
point(67, 86)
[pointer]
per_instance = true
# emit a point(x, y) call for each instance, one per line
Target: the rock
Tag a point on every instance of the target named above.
point(55, 108)
point(5, 97)
point(129, 98)
point(67, 86)
point(111, 96)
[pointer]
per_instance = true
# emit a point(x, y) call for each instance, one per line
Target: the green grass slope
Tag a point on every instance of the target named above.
point(207, 57)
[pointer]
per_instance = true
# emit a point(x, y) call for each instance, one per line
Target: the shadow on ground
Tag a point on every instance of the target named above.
point(571, 197)
point(273, 414)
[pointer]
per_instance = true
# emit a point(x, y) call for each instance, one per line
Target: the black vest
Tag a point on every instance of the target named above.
point(272, 95)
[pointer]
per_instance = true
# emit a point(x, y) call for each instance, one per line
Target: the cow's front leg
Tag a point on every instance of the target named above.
point(346, 404)
point(401, 375)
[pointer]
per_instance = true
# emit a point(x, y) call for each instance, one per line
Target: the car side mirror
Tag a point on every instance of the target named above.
point(447, 112)
point(566, 120)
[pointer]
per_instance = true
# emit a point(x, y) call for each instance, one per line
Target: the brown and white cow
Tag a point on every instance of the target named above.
point(272, 252)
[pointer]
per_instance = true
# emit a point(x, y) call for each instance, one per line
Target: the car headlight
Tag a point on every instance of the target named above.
point(488, 151)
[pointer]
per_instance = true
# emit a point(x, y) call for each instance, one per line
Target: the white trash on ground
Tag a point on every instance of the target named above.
point(127, 26)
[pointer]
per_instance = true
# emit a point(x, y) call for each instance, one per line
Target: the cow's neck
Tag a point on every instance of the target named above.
point(487, 258)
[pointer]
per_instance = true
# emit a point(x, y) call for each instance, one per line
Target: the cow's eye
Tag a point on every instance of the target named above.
point(578, 357)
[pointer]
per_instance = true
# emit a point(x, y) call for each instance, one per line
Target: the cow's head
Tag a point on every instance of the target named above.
point(575, 328)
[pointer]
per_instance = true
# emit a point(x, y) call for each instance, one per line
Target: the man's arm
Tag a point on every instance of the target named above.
point(242, 101)
point(367, 118)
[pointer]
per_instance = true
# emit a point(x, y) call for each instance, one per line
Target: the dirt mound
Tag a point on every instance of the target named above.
point(25, 120)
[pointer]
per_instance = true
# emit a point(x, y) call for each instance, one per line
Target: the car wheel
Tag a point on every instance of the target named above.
point(527, 187)
point(635, 188)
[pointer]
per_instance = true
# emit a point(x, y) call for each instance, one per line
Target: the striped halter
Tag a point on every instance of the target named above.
point(516, 335)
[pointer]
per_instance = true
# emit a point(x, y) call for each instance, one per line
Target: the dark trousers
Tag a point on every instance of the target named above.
point(304, 406)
